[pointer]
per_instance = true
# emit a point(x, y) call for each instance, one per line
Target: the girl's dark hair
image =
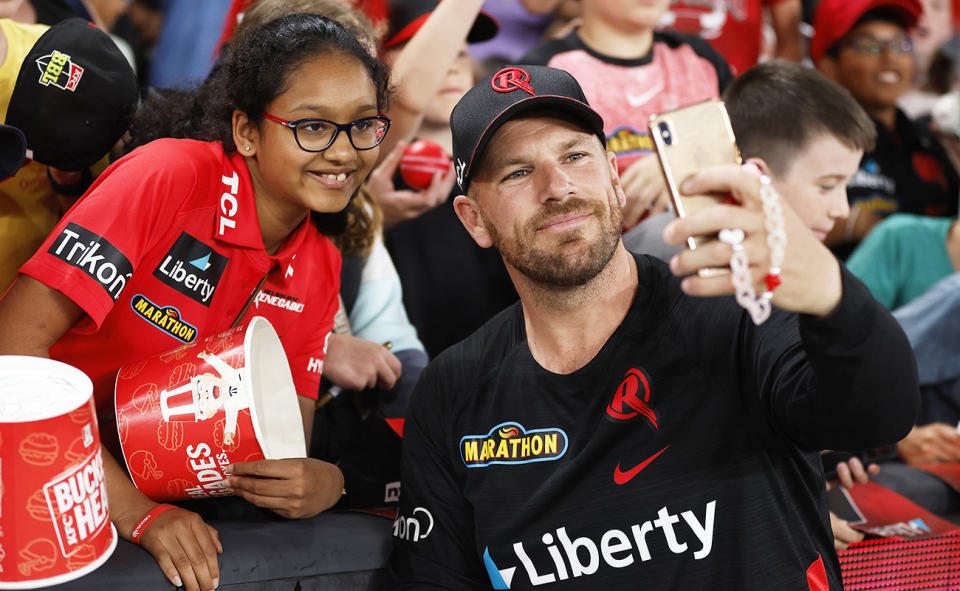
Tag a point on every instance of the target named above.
point(248, 76)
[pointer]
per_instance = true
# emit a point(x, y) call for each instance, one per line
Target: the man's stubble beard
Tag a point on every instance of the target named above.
point(554, 269)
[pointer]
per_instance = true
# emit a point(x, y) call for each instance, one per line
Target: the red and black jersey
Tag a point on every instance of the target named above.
point(907, 172)
point(165, 248)
point(733, 27)
point(684, 455)
point(678, 70)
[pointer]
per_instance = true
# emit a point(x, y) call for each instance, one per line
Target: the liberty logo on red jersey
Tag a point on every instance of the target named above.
point(192, 268)
point(632, 399)
point(510, 79)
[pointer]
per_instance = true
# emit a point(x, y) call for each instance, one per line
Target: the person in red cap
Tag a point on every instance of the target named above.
point(616, 428)
point(865, 46)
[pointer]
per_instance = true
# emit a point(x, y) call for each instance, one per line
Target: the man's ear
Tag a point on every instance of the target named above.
point(468, 211)
point(761, 164)
point(246, 135)
point(615, 178)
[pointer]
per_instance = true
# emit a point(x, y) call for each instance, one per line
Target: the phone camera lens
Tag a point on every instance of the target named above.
point(665, 133)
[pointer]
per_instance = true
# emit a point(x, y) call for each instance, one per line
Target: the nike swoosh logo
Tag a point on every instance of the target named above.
point(642, 99)
point(625, 477)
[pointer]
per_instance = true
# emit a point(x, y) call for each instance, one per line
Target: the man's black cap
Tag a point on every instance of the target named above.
point(505, 94)
point(407, 16)
point(74, 96)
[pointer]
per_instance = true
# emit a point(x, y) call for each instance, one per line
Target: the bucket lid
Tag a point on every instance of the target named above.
point(36, 388)
point(274, 407)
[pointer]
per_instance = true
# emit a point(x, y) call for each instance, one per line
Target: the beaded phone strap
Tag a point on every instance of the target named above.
point(759, 307)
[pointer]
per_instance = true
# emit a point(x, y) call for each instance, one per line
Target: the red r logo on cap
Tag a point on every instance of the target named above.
point(510, 79)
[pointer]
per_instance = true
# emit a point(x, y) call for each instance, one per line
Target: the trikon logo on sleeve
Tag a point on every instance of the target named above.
point(510, 443)
point(192, 268)
point(95, 256)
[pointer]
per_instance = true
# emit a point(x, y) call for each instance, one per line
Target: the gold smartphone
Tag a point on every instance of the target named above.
point(688, 140)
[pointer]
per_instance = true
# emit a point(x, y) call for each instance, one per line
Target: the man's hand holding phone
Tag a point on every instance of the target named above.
point(809, 274)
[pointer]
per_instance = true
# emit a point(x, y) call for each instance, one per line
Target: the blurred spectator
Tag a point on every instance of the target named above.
point(85, 112)
point(905, 255)
point(46, 12)
point(735, 29)
point(185, 50)
point(935, 66)
point(810, 161)
point(450, 285)
point(523, 25)
point(629, 72)
point(864, 46)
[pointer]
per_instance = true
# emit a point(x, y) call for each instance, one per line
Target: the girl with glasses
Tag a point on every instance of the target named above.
point(203, 228)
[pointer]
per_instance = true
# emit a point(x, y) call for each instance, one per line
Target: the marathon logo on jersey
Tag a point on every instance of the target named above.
point(627, 141)
point(510, 443)
point(59, 70)
point(555, 556)
point(166, 318)
point(95, 256)
point(192, 268)
point(279, 300)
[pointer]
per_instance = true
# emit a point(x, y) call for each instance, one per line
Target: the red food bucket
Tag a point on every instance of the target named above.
point(54, 521)
point(183, 415)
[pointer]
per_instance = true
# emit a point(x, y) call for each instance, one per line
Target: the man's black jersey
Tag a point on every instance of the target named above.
point(684, 455)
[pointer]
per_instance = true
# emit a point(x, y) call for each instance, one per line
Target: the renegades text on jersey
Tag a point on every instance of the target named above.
point(684, 456)
point(165, 248)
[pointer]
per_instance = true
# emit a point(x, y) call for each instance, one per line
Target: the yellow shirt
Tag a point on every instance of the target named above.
point(29, 208)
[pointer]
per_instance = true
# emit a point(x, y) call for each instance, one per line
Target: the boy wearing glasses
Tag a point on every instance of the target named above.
point(864, 46)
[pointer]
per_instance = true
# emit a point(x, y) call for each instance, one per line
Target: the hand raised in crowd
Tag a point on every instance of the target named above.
point(400, 205)
point(930, 444)
point(357, 364)
point(810, 274)
point(645, 189)
point(292, 488)
point(184, 546)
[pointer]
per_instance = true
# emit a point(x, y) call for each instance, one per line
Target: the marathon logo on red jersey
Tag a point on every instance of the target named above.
point(193, 268)
point(510, 443)
point(59, 70)
point(557, 556)
point(166, 318)
point(95, 256)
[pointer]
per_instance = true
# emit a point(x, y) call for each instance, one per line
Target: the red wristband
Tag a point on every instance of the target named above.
point(147, 519)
